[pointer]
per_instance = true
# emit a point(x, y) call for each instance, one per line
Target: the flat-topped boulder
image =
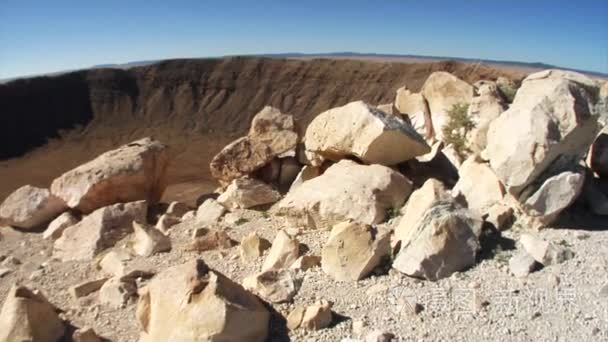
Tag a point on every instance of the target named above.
point(135, 171)
point(362, 131)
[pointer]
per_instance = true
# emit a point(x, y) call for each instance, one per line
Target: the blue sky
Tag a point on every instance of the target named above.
point(52, 35)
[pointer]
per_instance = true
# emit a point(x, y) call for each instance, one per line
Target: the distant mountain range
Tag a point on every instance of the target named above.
point(357, 55)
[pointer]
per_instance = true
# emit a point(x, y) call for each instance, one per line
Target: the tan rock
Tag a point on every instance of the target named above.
point(553, 115)
point(500, 215)
point(246, 193)
point(58, 225)
point(86, 288)
point(345, 191)
point(306, 173)
point(205, 239)
point(431, 193)
point(203, 305)
point(284, 252)
point(98, 231)
point(252, 247)
point(274, 286)
point(598, 154)
point(85, 334)
point(209, 213)
point(479, 186)
point(442, 91)
point(414, 105)
point(27, 316)
point(190, 215)
point(29, 207)
point(360, 130)
point(314, 317)
point(165, 222)
point(117, 292)
point(544, 252)
point(353, 250)
point(120, 263)
point(272, 133)
point(136, 171)
point(148, 240)
point(306, 262)
point(554, 195)
point(486, 106)
point(444, 241)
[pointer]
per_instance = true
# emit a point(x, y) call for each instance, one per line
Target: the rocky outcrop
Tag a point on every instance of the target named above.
point(29, 207)
point(416, 108)
point(444, 241)
point(98, 231)
point(353, 250)
point(272, 133)
point(553, 115)
point(486, 106)
point(202, 305)
point(244, 193)
point(58, 225)
point(345, 191)
point(479, 186)
point(442, 91)
point(28, 316)
point(362, 131)
point(136, 171)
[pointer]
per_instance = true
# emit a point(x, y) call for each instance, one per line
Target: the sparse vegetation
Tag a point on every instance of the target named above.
point(241, 221)
point(458, 125)
point(507, 92)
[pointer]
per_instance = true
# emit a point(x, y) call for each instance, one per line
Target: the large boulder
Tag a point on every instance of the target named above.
point(486, 106)
point(29, 207)
point(244, 193)
point(272, 133)
point(479, 186)
point(202, 305)
point(346, 190)
point(98, 231)
point(598, 154)
point(442, 91)
point(27, 316)
point(414, 105)
point(424, 198)
point(353, 250)
point(444, 241)
point(136, 171)
point(553, 115)
point(362, 131)
point(554, 195)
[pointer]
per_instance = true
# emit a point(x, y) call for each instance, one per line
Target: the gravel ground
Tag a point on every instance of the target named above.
point(566, 302)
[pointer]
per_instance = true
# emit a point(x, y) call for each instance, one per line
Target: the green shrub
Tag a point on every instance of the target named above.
point(507, 92)
point(456, 129)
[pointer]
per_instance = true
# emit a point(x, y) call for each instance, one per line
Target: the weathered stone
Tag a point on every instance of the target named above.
point(275, 286)
point(252, 247)
point(306, 262)
point(362, 131)
point(306, 173)
point(117, 292)
point(553, 115)
point(484, 108)
point(204, 239)
point(86, 288)
point(521, 264)
point(27, 316)
point(166, 221)
point(136, 171)
point(556, 194)
point(598, 154)
point(314, 317)
point(119, 263)
point(148, 240)
point(29, 207)
point(353, 250)
point(244, 193)
point(284, 252)
point(345, 191)
point(414, 105)
point(500, 215)
point(177, 209)
point(98, 231)
point(432, 192)
point(202, 305)
point(58, 225)
point(272, 133)
point(442, 91)
point(444, 241)
point(544, 252)
point(479, 186)
point(209, 213)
